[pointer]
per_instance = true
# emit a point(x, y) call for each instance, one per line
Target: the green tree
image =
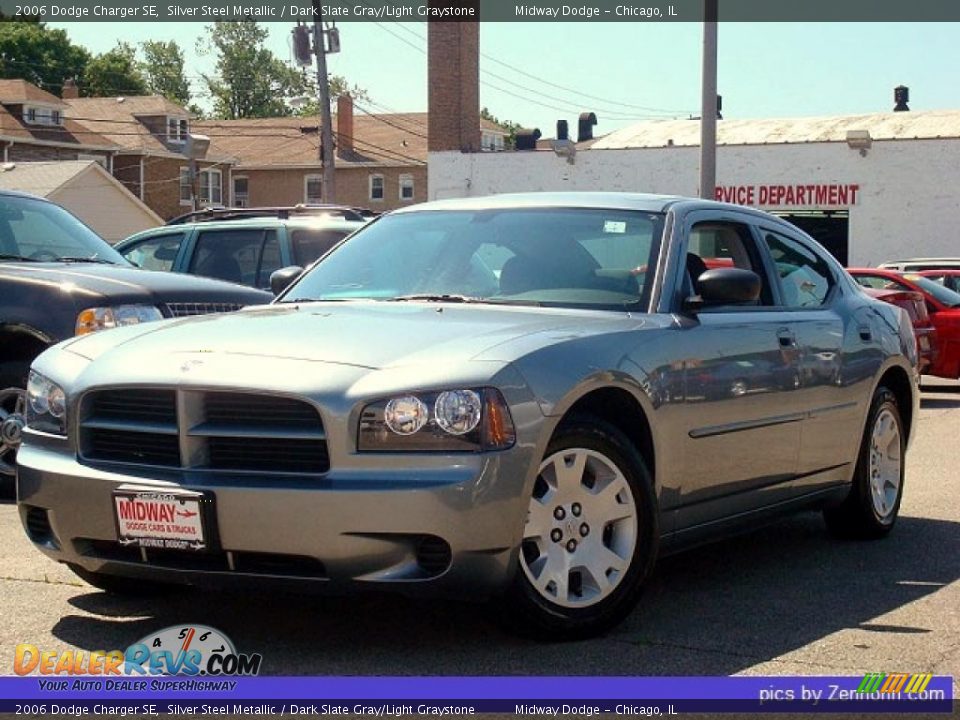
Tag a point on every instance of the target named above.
point(511, 139)
point(162, 67)
point(39, 55)
point(338, 86)
point(116, 72)
point(250, 81)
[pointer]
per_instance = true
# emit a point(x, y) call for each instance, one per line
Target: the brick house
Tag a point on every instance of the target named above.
point(152, 136)
point(381, 160)
point(34, 127)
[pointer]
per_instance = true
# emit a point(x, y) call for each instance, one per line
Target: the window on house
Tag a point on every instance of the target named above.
point(313, 189)
point(42, 116)
point(376, 187)
point(186, 192)
point(211, 187)
point(406, 187)
point(177, 129)
point(241, 192)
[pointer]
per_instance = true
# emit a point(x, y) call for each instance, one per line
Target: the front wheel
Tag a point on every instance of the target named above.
point(590, 537)
point(13, 381)
point(871, 508)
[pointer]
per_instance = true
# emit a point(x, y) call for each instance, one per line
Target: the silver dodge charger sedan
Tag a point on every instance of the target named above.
point(522, 398)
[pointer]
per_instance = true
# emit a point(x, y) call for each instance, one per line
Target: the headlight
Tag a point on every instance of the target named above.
point(46, 405)
point(462, 420)
point(105, 318)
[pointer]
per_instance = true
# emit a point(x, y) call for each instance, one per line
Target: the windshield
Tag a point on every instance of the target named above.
point(943, 294)
point(557, 256)
point(37, 230)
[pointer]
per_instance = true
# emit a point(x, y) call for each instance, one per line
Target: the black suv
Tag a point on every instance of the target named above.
point(58, 279)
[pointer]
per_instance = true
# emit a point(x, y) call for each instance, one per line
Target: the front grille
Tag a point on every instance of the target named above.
point(136, 406)
point(236, 409)
point(186, 309)
point(135, 447)
point(214, 431)
point(247, 563)
point(276, 455)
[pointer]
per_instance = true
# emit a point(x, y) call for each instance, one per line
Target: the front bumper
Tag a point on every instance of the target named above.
point(450, 527)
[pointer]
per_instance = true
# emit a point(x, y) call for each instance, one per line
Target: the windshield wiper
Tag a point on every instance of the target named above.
point(21, 258)
point(433, 297)
point(94, 259)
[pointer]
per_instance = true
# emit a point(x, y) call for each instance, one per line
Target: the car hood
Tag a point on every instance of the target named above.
point(130, 284)
point(372, 335)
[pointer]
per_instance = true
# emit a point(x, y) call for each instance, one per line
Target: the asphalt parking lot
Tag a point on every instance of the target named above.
point(785, 599)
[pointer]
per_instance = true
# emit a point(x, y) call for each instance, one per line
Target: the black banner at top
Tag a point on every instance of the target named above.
point(482, 10)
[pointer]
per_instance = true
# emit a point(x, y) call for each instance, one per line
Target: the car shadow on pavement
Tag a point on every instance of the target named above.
point(715, 610)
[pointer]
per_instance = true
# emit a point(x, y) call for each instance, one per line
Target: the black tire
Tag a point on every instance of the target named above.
point(12, 375)
point(525, 611)
point(856, 518)
point(119, 584)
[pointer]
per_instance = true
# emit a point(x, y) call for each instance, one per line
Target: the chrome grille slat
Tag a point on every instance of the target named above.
point(203, 430)
point(188, 309)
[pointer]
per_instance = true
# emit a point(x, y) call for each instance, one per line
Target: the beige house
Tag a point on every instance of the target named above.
point(381, 159)
point(87, 190)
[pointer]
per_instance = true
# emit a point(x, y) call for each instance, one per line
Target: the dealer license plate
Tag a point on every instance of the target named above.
point(160, 520)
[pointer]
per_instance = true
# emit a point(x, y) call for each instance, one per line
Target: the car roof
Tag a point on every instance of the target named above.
point(313, 221)
point(17, 193)
point(607, 200)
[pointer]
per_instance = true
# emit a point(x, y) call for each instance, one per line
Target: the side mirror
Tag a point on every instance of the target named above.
point(280, 279)
point(725, 286)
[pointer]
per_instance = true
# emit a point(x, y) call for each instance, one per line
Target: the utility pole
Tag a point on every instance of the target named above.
point(708, 103)
point(328, 189)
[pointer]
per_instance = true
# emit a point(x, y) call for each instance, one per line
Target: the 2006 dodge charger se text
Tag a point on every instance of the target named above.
point(526, 398)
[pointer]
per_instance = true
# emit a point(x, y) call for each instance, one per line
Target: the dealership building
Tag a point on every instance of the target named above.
point(871, 188)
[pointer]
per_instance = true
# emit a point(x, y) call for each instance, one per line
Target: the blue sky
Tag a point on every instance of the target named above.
point(765, 69)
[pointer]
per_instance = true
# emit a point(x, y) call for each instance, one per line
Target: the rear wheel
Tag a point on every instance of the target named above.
point(13, 383)
point(871, 508)
point(590, 537)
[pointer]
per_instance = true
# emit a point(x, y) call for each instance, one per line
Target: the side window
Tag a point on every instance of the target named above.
point(156, 253)
point(269, 259)
point(805, 277)
point(238, 256)
point(308, 245)
point(715, 244)
point(879, 282)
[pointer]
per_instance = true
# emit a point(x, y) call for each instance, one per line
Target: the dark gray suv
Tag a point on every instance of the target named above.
point(58, 278)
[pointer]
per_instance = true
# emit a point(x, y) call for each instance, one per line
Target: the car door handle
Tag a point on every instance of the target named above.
point(786, 338)
point(865, 333)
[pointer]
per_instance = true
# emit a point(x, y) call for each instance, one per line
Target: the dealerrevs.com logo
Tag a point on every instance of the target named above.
point(189, 650)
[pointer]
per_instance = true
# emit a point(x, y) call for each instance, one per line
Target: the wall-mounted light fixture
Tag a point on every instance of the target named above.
point(859, 140)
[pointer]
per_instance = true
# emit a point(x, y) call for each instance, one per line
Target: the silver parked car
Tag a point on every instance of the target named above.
point(524, 397)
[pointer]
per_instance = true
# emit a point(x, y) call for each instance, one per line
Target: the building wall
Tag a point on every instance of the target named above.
point(161, 181)
point(38, 153)
point(111, 211)
point(905, 203)
point(287, 186)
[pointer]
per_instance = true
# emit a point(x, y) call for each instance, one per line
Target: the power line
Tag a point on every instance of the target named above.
point(667, 112)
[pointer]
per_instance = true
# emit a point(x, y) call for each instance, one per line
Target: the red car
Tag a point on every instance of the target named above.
point(923, 328)
point(943, 305)
point(948, 278)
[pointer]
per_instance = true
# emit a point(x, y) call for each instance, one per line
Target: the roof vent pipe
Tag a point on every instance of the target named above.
point(585, 128)
point(526, 139)
point(901, 96)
